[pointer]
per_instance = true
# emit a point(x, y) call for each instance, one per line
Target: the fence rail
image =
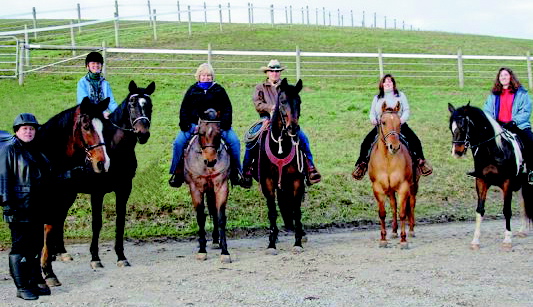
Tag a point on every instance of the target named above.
point(446, 68)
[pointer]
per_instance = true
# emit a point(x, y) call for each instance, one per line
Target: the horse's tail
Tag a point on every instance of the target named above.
point(527, 195)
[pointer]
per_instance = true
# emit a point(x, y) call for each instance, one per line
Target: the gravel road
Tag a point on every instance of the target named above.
point(341, 268)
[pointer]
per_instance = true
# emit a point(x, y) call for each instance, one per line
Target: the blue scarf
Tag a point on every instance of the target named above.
point(205, 85)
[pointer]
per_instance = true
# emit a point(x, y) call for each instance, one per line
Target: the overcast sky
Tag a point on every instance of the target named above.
point(510, 18)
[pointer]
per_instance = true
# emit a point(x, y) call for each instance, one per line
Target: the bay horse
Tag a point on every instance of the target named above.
point(497, 161)
point(206, 171)
point(281, 164)
point(128, 125)
point(73, 141)
point(393, 175)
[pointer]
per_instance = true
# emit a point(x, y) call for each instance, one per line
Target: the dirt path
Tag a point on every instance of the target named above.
point(336, 269)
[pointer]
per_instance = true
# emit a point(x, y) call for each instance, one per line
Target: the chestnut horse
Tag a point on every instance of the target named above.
point(281, 164)
point(206, 171)
point(393, 175)
point(128, 125)
point(73, 142)
point(497, 161)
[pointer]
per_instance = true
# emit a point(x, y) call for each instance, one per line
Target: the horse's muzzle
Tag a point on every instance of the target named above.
point(459, 151)
point(211, 163)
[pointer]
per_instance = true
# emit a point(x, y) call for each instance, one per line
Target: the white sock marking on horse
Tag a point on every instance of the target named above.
point(507, 236)
point(477, 232)
point(99, 127)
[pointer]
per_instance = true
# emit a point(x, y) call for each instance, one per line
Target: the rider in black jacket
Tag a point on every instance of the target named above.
point(23, 172)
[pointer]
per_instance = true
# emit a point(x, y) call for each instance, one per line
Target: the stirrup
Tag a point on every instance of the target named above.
point(313, 176)
point(175, 181)
point(359, 171)
point(530, 178)
point(425, 168)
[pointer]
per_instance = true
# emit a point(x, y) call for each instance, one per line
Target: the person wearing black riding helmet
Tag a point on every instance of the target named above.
point(94, 85)
point(23, 173)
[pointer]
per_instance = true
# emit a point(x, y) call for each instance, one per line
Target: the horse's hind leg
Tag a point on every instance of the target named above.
point(412, 204)
point(96, 206)
point(298, 227)
point(46, 258)
point(524, 223)
point(403, 197)
point(122, 197)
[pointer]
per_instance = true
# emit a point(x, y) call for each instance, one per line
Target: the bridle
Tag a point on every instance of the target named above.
point(390, 133)
point(294, 137)
point(466, 141)
point(133, 114)
point(212, 145)
point(86, 147)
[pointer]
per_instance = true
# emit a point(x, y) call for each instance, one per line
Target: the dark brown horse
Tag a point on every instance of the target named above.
point(206, 170)
point(73, 142)
point(393, 176)
point(281, 164)
point(497, 162)
point(128, 125)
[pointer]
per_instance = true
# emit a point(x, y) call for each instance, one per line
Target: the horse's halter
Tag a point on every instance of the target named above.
point(282, 114)
point(212, 145)
point(466, 141)
point(86, 147)
point(135, 114)
point(390, 133)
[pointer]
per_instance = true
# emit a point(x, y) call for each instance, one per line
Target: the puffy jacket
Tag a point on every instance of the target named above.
point(521, 111)
point(23, 172)
point(198, 100)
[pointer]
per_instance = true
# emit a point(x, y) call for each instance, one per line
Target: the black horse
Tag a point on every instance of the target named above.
point(497, 162)
point(281, 165)
point(127, 125)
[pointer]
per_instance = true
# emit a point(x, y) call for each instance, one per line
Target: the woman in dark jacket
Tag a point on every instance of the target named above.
point(23, 171)
point(203, 95)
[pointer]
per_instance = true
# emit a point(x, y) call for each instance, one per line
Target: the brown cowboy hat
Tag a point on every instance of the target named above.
point(273, 65)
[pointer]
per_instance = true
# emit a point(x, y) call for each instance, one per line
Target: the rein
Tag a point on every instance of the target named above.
point(475, 147)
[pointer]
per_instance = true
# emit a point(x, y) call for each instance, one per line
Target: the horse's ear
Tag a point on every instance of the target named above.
point(284, 83)
point(384, 106)
point(150, 89)
point(451, 108)
point(299, 86)
point(132, 87)
point(397, 107)
point(468, 104)
point(85, 105)
point(103, 105)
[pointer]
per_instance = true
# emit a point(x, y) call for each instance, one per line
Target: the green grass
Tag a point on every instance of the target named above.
point(334, 115)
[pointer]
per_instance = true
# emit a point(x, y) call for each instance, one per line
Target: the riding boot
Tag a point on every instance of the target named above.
point(176, 180)
point(360, 170)
point(313, 176)
point(425, 167)
point(530, 177)
point(18, 267)
point(37, 283)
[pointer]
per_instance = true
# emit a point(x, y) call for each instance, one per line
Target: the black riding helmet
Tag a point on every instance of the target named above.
point(25, 119)
point(94, 57)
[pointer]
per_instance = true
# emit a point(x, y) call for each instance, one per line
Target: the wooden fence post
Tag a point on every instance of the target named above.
point(117, 43)
point(298, 64)
point(249, 15)
point(351, 15)
point(149, 13)
point(79, 18)
point(21, 62)
point(229, 13)
point(220, 14)
point(189, 14)
point(307, 13)
point(26, 42)
point(34, 23)
point(252, 11)
point(209, 53)
point(154, 22)
point(363, 22)
point(460, 68)
point(179, 13)
point(380, 61)
point(72, 39)
point(104, 56)
point(529, 76)
point(272, 15)
point(286, 16)
point(205, 13)
point(290, 14)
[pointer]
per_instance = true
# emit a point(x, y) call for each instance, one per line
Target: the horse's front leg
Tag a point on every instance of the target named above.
point(46, 258)
point(296, 206)
point(270, 195)
point(379, 194)
point(403, 197)
point(394, 209)
point(221, 197)
point(507, 213)
point(412, 204)
point(481, 189)
point(122, 196)
point(212, 207)
point(198, 202)
point(97, 200)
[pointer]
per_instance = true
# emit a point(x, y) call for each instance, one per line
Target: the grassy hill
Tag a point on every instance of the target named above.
point(334, 115)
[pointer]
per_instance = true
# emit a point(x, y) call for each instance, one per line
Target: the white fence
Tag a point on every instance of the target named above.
point(439, 69)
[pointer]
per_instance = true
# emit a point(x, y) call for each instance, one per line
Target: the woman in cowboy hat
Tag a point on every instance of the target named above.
point(265, 98)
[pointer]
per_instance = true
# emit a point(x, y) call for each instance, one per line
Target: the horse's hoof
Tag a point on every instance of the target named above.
point(225, 258)
point(215, 246)
point(507, 247)
point(304, 239)
point(65, 257)
point(404, 245)
point(521, 234)
point(394, 235)
point(383, 243)
point(96, 265)
point(201, 256)
point(53, 282)
point(123, 263)
point(297, 250)
point(412, 234)
point(474, 247)
point(271, 251)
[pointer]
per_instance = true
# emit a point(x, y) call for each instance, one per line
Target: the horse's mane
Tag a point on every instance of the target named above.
point(478, 116)
point(54, 134)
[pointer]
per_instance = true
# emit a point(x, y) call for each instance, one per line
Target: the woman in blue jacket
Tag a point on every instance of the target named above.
point(510, 104)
